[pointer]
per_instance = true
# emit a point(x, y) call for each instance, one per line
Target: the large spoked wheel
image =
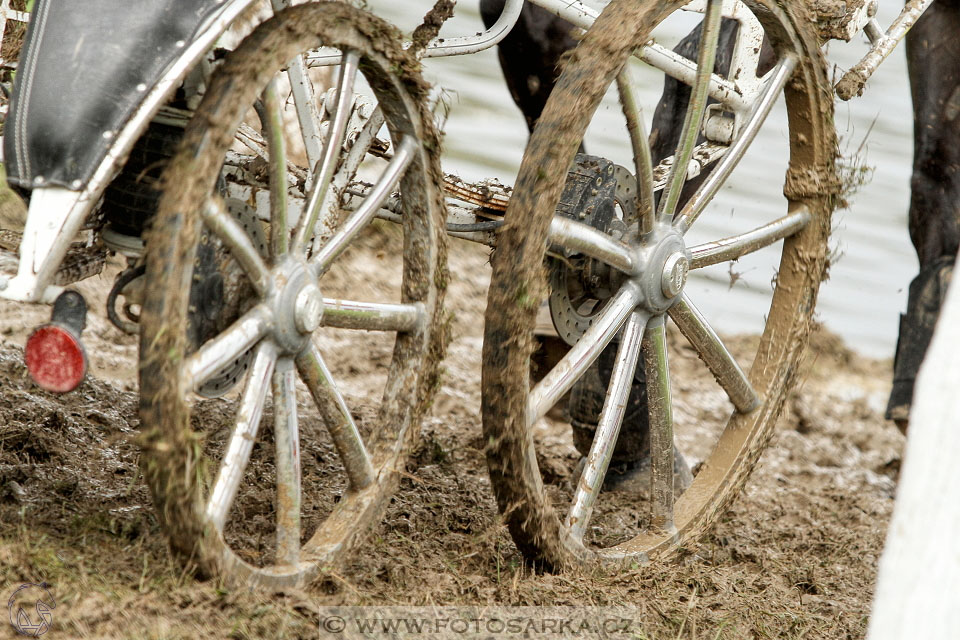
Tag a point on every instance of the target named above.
point(648, 267)
point(205, 463)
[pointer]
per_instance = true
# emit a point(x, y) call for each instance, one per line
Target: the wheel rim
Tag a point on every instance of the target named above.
point(653, 270)
point(287, 303)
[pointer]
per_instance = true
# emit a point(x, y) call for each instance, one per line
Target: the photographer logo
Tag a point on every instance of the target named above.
point(30, 607)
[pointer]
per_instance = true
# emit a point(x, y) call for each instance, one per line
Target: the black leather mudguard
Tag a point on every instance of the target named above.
point(84, 69)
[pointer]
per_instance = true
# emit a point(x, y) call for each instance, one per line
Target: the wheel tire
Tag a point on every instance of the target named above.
point(175, 458)
point(518, 286)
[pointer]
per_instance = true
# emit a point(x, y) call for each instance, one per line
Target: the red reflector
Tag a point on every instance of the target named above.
point(55, 358)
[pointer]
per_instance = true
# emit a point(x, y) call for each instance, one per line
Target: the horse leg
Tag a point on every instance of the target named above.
point(530, 54)
point(933, 61)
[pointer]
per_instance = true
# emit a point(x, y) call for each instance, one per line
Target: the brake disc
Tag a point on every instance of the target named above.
point(225, 294)
point(603, 195)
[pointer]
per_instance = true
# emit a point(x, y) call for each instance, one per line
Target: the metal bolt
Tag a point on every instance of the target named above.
point(308, 309)
point(330, 101)
point(674, 274)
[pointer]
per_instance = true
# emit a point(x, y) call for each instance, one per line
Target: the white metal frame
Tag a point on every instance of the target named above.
point(56, 214)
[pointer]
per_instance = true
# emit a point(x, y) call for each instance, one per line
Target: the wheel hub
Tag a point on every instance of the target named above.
point(665, 266)
point(580, 286)
point(297, 305)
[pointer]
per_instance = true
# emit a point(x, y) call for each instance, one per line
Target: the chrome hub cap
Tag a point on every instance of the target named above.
point(297, 305)
point(674, 274)
point(308, 309)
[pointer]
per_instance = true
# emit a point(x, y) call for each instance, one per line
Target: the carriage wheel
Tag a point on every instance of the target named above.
point(647, 267)
point(206, 461)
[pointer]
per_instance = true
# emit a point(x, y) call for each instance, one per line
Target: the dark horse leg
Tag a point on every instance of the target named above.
point(933, 59)
point(530, 54)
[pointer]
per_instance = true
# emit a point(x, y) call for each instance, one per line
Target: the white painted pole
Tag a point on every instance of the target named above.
point(918, 586)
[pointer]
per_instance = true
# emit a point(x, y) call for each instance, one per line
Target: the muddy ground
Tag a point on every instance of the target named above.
point(795, 557)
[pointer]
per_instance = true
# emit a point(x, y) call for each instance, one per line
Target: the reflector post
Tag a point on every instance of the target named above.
point(54, 354)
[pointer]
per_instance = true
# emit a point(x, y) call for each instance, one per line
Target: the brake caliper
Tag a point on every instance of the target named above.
point(590, 191)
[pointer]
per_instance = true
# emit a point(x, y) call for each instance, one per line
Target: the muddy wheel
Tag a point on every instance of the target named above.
point(332, 458)
point(647, 269)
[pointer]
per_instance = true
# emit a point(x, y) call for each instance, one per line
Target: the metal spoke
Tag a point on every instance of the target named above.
point(642, 160)
point(326, 224)
point(271, 119)
point(333, 409)
point(369, 209)
point(251, 139)
point(721, 363)
point(331, 149)
point(217, 353)
point(238, 243)
point(660, 408)
point(605, 326)
point(304, 100)
point(709, 35)
point(608, 428)
point(577, 237)
point(705, 193)
point(680, 68)
point(237, 455)
point(733, 247)
point(371, 316)
point(358, 150)
point(287, 439)
point(305, 104)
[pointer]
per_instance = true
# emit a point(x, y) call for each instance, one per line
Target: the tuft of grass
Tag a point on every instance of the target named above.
point(852, 168)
